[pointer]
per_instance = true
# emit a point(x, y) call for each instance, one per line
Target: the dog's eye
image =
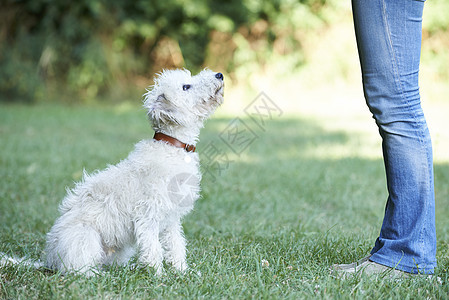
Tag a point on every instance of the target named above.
point(185, 87)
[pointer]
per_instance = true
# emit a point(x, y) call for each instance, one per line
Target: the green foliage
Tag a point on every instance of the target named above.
point(85, 47)
point(436, 34)
point(91, 48)
point(18, 69)
point(436, 13)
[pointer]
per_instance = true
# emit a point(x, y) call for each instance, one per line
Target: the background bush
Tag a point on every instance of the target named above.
point(92, 48)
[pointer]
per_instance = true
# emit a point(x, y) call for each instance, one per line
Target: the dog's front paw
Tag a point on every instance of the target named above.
point(158, 269)
point(152, 266)
point(181, 266)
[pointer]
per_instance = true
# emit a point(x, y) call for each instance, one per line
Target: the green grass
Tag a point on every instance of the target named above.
point(289, 199)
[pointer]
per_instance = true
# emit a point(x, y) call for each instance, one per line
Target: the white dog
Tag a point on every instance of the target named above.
point(138, 203)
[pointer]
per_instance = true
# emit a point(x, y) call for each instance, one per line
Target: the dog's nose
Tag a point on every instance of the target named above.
point(219, 76)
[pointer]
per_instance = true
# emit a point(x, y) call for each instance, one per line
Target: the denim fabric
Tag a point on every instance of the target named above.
point(388, 36)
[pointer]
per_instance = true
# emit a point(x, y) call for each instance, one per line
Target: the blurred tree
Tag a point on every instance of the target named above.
point(88, 48)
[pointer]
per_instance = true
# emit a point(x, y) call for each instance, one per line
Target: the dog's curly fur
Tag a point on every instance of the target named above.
point(128, 206)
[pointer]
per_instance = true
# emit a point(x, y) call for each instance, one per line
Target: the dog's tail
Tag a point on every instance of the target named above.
point(6, 260)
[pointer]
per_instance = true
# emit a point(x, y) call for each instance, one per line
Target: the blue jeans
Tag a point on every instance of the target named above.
point(388, 36)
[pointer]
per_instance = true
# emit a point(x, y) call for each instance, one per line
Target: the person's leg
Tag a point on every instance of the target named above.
point(388, 36)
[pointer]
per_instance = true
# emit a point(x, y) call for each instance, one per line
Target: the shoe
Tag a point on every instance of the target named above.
point(370, 268)
point(367, 267)
point(351, 266)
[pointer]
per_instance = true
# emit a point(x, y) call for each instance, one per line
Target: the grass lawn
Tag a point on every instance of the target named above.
point(269, 224)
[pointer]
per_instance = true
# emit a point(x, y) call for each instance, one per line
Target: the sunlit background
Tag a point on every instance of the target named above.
point(302, 54)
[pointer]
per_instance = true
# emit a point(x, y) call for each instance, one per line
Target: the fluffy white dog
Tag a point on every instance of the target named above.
point(138, 203)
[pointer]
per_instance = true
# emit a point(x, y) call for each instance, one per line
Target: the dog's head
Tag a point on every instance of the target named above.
point(179, 99)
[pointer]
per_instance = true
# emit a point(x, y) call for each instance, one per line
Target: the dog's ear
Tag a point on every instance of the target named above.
point(159, 109)
point(158, 103)
point(155, 103)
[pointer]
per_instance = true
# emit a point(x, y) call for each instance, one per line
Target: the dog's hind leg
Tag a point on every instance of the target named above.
point(76, 248)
